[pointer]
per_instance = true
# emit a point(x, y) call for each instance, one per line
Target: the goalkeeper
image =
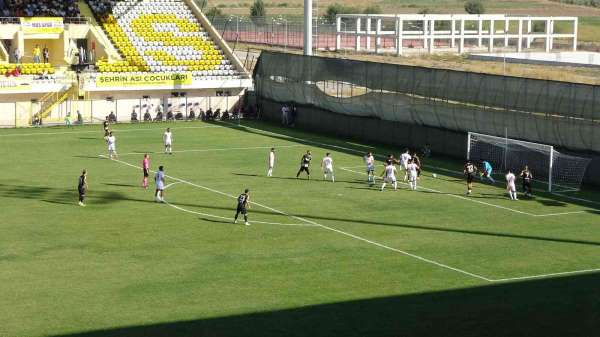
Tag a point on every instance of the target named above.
point(487, 172)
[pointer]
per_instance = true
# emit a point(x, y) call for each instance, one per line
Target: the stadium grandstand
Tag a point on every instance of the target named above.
point(84, 60)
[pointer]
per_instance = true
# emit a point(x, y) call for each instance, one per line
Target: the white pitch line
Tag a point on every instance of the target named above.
point(479, 201)
point(455, 196)
point(171, 184)
point(560, 213)
point(222, 217)
point(583, 271)
point(215, 149)
point(229, 219)
point(435, 167)
point(439, 264)
point(100, 131)
point(576, 198)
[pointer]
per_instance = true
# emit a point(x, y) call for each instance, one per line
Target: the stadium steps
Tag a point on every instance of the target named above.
point(98, 32)
point(51, 100)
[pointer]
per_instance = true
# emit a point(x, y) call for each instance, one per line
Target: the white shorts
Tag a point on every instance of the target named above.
point(512, 187)
point(391, 179)
point(403, 165)
point(112, 148)
point(328, 169)
point(160, 186)
point(168, 144)
point(370, 168)
point(413, 177)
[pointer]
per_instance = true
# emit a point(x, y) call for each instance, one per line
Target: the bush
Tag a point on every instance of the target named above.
point(474, 7)
point(372, 9)
point(213, 12)
point(336, 8)
point(258, 10)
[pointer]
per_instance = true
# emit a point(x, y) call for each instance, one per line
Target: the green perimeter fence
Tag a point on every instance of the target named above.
point(563, 114)
point(413, 106)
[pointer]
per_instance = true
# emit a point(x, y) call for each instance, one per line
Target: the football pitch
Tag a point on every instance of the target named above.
point(319, 258)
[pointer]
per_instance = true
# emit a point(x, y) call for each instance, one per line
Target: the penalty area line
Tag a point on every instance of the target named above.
point(380, 156)
point(215, 149)
point(332, 229)
point(454, 195)
point(226, 218)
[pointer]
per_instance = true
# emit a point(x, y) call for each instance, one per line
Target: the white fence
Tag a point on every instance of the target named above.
point(396, 33)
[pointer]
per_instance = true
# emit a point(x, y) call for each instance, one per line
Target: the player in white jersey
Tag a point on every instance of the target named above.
point(159, 181)
point(370, 163)
point(404, 159)
point(168, 141)
point(111, 141)
point(271, 162)
point(412, 170)
point(327, 166)
point(389, 176)
point(510, 185)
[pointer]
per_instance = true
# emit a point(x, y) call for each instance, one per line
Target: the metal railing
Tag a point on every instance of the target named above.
point(274, 31)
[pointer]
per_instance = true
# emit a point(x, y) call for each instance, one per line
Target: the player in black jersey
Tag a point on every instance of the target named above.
point(243, 203)
point(304, 164)
point(470, 170)
point(527, 179)
point(391, 160)
point(82, 187)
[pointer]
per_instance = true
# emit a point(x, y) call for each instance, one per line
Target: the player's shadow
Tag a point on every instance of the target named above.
point(221, 221)
point(274, 131)
point(302, 177)
point(409, 226)
point(85, 156)
point(59, 196)
point(120, 185)
point(551, 203)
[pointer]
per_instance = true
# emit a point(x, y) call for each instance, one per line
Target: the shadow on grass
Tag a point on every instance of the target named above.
point(323, 141)
point(568, 306)
point(317, 176)
point(51, 195)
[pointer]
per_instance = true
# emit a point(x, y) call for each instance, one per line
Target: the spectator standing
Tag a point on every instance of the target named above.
point(46, 54)
point(17, 55)
point(37, 53)
point(82, 55)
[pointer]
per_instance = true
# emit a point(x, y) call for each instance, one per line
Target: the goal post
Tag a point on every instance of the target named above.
point(557, 172)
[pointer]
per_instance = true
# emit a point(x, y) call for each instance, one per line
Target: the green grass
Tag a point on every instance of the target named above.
point(589, 28)
point(126, 266)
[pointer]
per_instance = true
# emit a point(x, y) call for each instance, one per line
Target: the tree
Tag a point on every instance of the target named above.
point(372, 9)
point(258, 12)
point(474, 7)
point(213, 12)
point(336, 8)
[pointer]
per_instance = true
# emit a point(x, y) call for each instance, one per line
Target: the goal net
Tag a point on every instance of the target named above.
point(554, 171)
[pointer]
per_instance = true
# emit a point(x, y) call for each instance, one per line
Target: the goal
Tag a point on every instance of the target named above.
point(555, 171)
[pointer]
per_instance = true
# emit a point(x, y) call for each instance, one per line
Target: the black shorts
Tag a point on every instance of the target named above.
point(241, 209)
point(146, 174)
point(305, 169)
point(81, 191)
point(469, 178)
